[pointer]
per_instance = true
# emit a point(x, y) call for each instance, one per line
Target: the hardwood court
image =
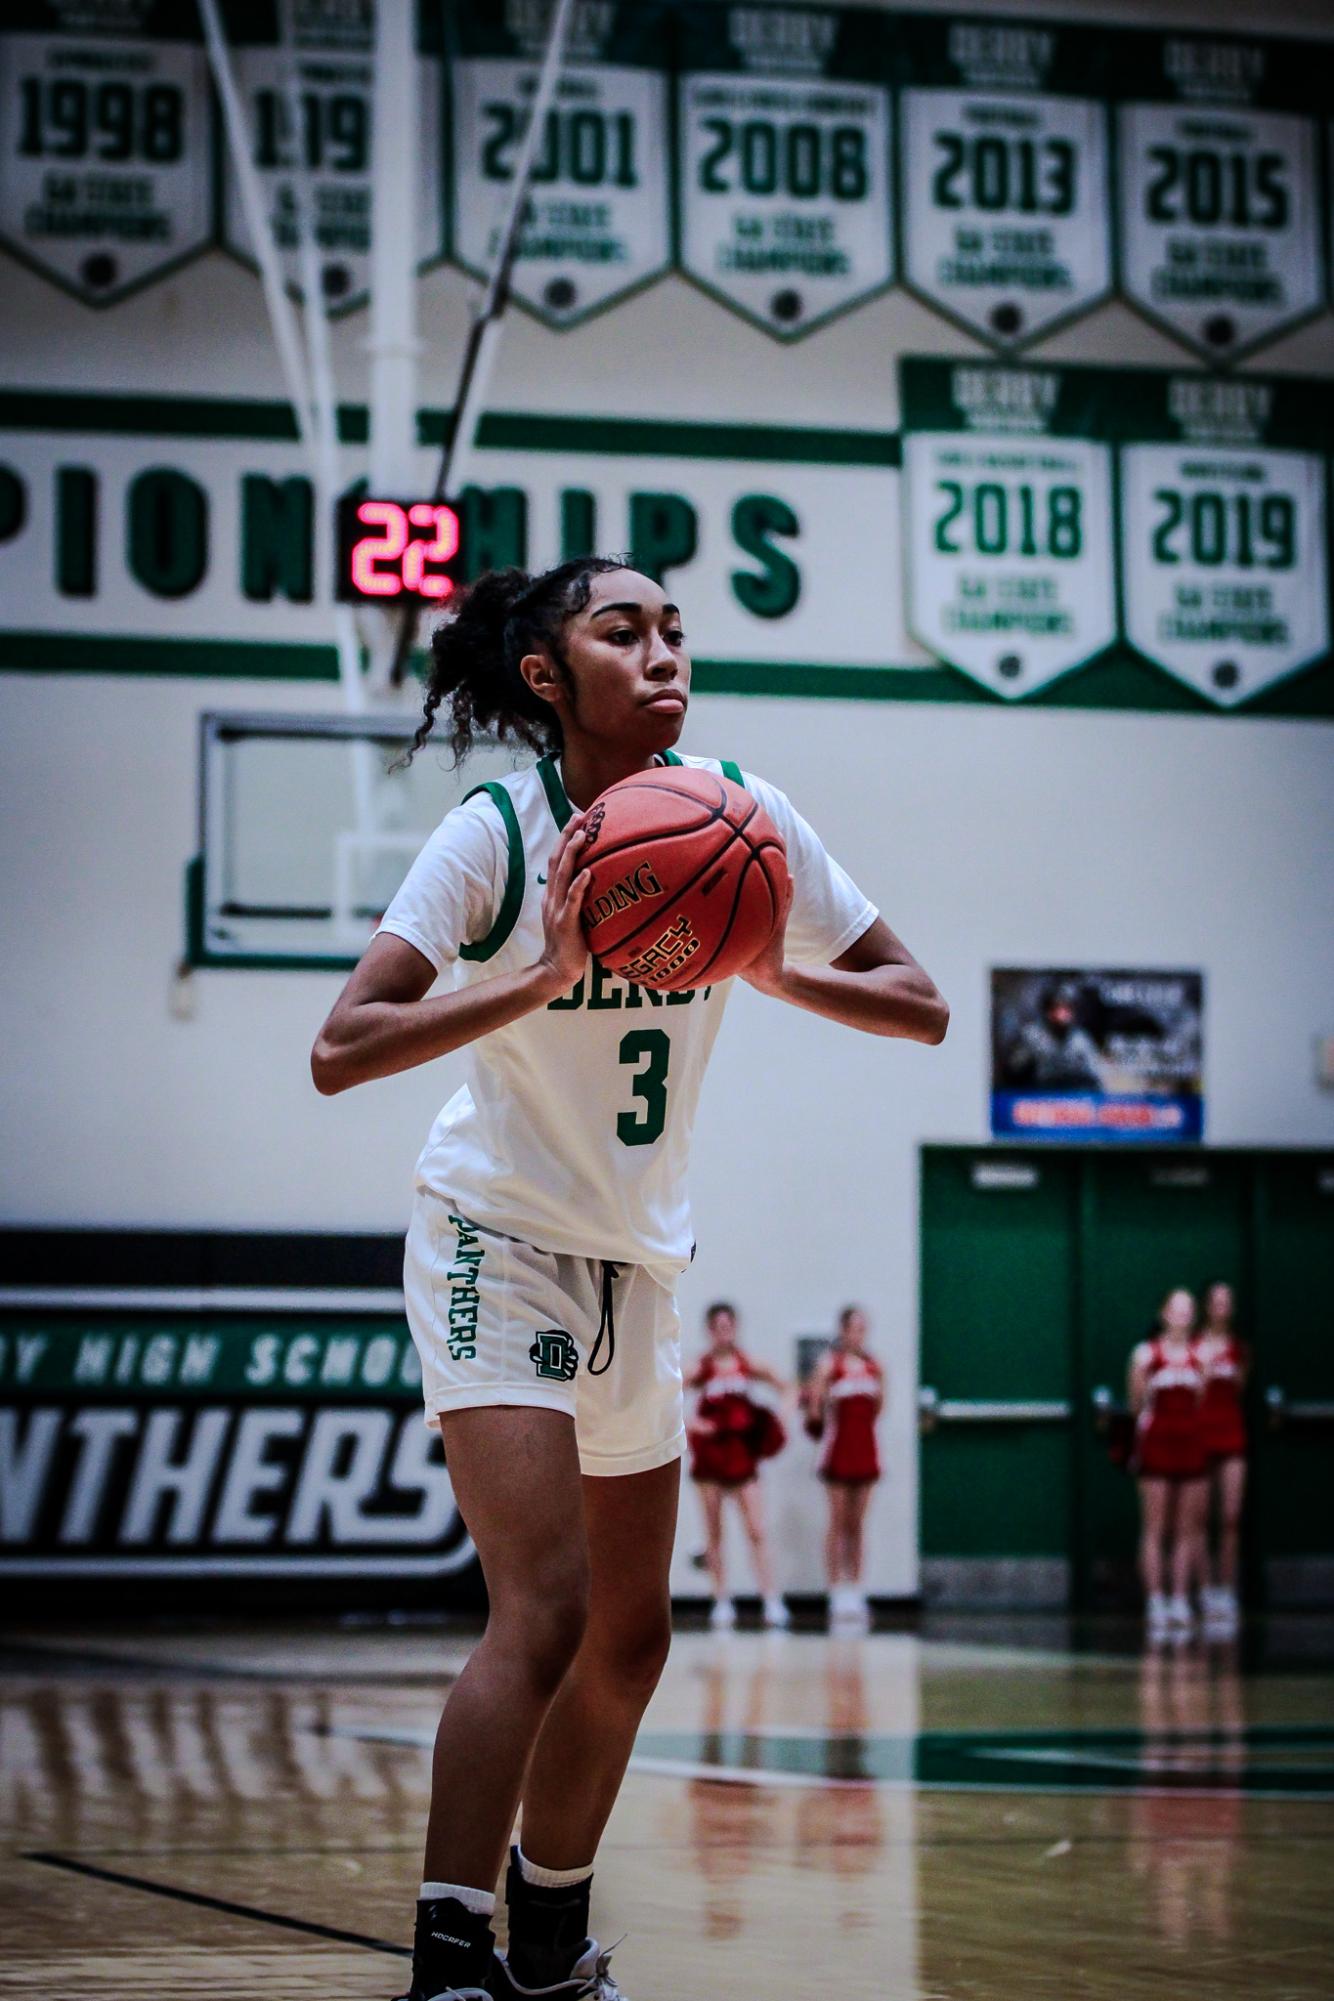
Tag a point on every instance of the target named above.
point(238, 1814)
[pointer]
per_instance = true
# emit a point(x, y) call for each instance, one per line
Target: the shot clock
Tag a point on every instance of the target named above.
point(392, 551)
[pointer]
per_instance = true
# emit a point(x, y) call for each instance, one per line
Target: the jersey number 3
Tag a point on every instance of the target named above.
point(650, 1047)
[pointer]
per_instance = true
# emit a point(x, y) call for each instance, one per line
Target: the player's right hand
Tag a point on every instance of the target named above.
point(564, 947)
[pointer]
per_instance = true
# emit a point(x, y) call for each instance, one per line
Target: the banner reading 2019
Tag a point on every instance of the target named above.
point(1219, 576)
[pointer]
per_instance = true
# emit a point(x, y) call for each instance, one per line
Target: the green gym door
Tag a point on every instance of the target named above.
point(1041, 1269)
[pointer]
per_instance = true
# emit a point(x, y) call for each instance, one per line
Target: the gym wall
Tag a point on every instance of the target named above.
point(988, 833)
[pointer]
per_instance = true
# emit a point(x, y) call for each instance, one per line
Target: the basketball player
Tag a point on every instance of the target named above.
point(1166, 1395)
point(550, 1225)
point(1225, 1362)
point(724, 1460)
point(844, 1397)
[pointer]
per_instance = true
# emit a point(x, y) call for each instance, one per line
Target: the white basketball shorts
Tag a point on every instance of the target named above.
point(496, 1321)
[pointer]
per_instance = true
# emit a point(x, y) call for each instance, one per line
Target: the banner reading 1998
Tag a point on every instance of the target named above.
point(597, 224)
point(784, 175)
point(1004, 173)
point(1008, 506)
point(106, 135)
point(1218, 154)
point(304, 70)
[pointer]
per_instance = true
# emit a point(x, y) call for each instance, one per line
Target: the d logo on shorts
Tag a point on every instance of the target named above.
point(554, 1356)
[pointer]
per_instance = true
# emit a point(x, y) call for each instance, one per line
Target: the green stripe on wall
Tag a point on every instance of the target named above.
point(501, 430)
point(1116, 683)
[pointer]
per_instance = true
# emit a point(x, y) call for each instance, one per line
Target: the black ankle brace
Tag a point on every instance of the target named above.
point(548, 1927)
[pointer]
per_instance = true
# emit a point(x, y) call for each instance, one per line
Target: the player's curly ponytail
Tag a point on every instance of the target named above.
point(475, 654)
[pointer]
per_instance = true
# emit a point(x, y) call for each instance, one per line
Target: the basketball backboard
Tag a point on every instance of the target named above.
point(306, 831)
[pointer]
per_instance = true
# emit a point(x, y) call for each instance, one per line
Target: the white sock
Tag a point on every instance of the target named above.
point(551, 1879)
point(483, 1902)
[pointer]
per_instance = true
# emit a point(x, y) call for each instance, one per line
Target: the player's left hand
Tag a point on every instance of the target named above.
point(766, 969)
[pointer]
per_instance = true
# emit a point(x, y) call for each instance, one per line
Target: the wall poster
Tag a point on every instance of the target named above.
point(1095, 1054)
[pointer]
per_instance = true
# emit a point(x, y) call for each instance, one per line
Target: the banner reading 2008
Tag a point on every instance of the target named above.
point(1009, 524)
point(597, 220)
point(105, 142)
point(784, 121)
point(1219, 198)
point(1004, 171)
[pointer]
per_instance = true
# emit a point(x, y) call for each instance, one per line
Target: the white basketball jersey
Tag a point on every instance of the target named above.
point(573, 1129)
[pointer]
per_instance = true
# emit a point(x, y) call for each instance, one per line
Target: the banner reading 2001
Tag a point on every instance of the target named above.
point(597, 220)
point(784, 132)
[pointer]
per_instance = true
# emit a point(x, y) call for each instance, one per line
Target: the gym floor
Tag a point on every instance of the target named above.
point(987, 1809)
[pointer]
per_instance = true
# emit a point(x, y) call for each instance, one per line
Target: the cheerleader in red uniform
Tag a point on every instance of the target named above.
point(728, 1435)
point(1225, 1362)
point(1167, 1396)
point(844, 1400)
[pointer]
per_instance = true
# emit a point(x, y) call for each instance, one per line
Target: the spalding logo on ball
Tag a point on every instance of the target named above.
point(687, 874)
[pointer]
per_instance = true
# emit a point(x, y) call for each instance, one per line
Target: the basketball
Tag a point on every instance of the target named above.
point(687, 877)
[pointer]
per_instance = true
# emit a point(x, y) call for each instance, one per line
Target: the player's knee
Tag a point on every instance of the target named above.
point(545, 1628)
point(634, 1657)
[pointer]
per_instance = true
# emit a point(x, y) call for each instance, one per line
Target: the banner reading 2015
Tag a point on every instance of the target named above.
point(597, 221)
point(1009, 524)
point(784, 121)
point(1219, 200)
point(106, 137)
point(1004, 171)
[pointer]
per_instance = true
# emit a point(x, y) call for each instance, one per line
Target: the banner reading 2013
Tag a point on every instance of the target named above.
point(1225, 540)
point(597, 221)
point(1008, 524)
point(1004, 171)
point(1219, 199)
point(784, 122)
point(106, 135)
point(304, 70)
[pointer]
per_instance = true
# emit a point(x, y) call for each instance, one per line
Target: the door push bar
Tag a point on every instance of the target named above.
point(934, 1410)
point(1281, 1412)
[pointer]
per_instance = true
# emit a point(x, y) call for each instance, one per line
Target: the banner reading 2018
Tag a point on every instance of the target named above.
point(784, 121)
point(1219, 155)
point(1223, 551)
point(1009, 524)
point(1004, 171)
point(597, 221)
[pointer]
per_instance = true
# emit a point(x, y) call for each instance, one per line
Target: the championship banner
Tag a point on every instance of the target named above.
point(1218, 152)
point(106, 142)
point(784, 122)
point(1225, 539)
point(303, 68)
point(1003, 150)
point(1079, 1054)
point(597, 221)
point(1008, 502)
